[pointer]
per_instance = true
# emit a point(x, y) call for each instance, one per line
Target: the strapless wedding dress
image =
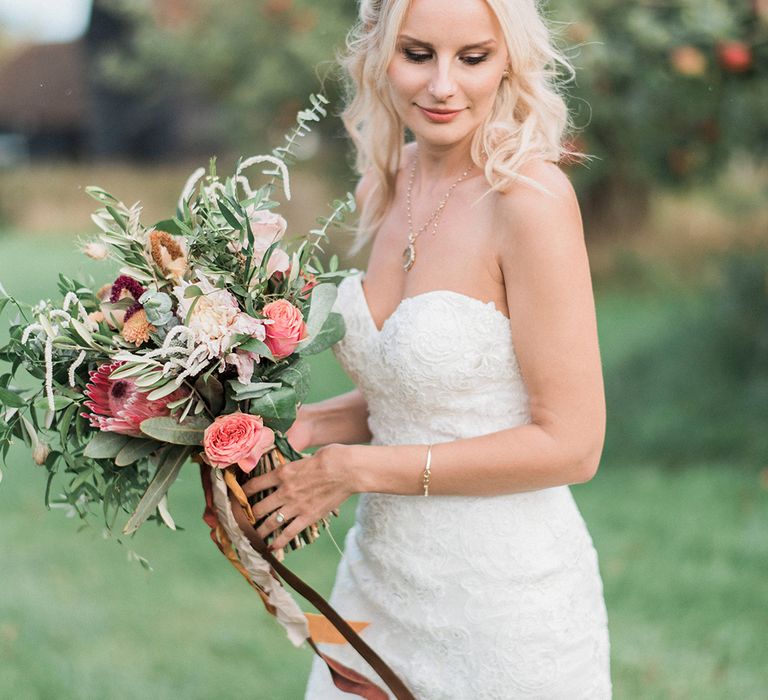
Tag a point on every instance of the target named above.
point(468, 598)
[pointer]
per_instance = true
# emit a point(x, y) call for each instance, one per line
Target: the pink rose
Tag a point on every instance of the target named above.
point(266, 226)
point(286, 330)
point(237, 438)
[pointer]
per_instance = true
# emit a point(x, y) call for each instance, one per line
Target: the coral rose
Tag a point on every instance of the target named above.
point(237, 438)
point(287, 329)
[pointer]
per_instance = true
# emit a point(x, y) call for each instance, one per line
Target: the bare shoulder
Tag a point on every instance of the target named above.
point(548, 216)
point(533, 224)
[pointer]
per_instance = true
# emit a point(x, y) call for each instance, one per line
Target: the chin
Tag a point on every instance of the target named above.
point(439, 134)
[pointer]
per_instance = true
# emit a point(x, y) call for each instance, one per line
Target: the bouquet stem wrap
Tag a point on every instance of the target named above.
point(231, 523)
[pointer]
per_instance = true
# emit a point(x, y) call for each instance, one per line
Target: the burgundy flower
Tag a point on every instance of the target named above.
point(118, 405)
point(127, 284)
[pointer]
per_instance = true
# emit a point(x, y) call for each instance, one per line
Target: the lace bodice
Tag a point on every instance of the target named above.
point(469, 598)
point(442, 366)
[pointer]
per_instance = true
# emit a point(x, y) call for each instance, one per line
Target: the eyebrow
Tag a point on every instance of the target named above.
point(426, 44)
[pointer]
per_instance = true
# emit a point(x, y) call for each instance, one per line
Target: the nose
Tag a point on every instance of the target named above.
point(442, 85)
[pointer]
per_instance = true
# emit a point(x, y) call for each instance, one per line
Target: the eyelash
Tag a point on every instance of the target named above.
point(421, 57)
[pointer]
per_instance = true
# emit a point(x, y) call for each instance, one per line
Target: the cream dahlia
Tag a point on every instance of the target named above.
point(215, 317)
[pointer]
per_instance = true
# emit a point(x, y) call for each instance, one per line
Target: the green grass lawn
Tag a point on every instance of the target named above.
point(684, 556)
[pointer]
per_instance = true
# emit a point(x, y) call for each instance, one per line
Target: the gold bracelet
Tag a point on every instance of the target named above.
point(427, 473)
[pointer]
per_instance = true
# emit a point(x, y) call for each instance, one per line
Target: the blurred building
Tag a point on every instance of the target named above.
point(43, 100)
point(54, 102)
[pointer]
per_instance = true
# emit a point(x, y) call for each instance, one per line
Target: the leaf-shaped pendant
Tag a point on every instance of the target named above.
point(409, 256)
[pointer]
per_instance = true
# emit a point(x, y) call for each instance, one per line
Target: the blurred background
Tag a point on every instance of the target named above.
point(672, 100)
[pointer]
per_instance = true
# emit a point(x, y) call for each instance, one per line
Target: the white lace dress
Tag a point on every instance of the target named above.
point(468, 598)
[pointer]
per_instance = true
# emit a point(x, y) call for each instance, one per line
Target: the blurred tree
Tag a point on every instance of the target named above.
point(666, 91)
point(252, 62)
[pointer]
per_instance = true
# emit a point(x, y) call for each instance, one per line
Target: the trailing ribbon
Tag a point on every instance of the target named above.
point(344, 678)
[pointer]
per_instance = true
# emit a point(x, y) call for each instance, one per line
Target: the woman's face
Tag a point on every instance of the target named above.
point(446, 70)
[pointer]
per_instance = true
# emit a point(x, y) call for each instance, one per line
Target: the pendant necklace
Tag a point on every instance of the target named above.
point(409, 254)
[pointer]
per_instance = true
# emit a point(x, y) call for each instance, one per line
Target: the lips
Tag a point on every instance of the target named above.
point(439, 115)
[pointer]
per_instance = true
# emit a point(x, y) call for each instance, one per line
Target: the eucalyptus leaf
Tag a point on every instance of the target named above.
point(332, 332)
point(30, 429)
point(321, 302)
point(243, 392)
point(163, 391)
point(148, 379)
point(170, 465)
point(169, 226)
point(11, 398)
point(106, 445)
point(192, 291)
point(229, 216)
point(81, 331)
point(165, 514)
point(66, 420)
point(212, 392)
point(257, 346)
point(59, 402)
point(118, 218)
point(129, 369)
point(135, 450)
point(167, 429)
point(297, 375)
point(277, 408)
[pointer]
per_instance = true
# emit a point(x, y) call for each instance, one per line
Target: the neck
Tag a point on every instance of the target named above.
point(437, 165)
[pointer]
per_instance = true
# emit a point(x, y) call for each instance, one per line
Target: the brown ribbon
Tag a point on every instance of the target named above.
point(344, 678)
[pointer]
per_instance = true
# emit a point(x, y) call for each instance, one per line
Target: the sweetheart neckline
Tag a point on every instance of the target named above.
point(359, 279)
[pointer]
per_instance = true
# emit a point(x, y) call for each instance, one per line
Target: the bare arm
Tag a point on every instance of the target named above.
point(342, 419)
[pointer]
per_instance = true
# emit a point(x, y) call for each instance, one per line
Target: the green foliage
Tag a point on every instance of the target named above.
point(692, 385)
point(169, 430)
point(252, 59)
point(741, 315)
point(667, 91)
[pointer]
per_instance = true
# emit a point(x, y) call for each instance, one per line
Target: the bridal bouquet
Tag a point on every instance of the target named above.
point(196, 348)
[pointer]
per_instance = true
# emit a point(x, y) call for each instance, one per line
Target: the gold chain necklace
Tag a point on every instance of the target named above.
point(409, 254)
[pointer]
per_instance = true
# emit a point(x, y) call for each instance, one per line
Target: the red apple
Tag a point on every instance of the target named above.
point(735, 56)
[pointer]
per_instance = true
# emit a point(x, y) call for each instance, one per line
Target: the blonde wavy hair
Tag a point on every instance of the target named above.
point(529, 118)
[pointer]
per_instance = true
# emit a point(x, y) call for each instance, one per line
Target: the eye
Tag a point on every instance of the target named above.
point(416, 56)
point(474, 60)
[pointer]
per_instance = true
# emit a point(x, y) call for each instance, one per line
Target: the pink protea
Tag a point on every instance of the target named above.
point(118, 405)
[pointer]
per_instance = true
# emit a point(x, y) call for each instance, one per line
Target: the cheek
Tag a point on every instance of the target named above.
point(404, 83)
point(483, 89)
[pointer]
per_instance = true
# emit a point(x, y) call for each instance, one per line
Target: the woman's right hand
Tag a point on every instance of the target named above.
point(299, 435)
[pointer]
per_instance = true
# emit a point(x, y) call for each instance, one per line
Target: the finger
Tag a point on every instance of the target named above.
point(270, 524)
point(285, 537)
point(267, 505)
point(261, 483)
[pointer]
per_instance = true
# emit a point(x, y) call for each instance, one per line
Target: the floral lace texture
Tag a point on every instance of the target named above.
point(468, 598)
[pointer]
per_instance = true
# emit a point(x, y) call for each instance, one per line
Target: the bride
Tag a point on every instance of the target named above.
point(472, 341)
